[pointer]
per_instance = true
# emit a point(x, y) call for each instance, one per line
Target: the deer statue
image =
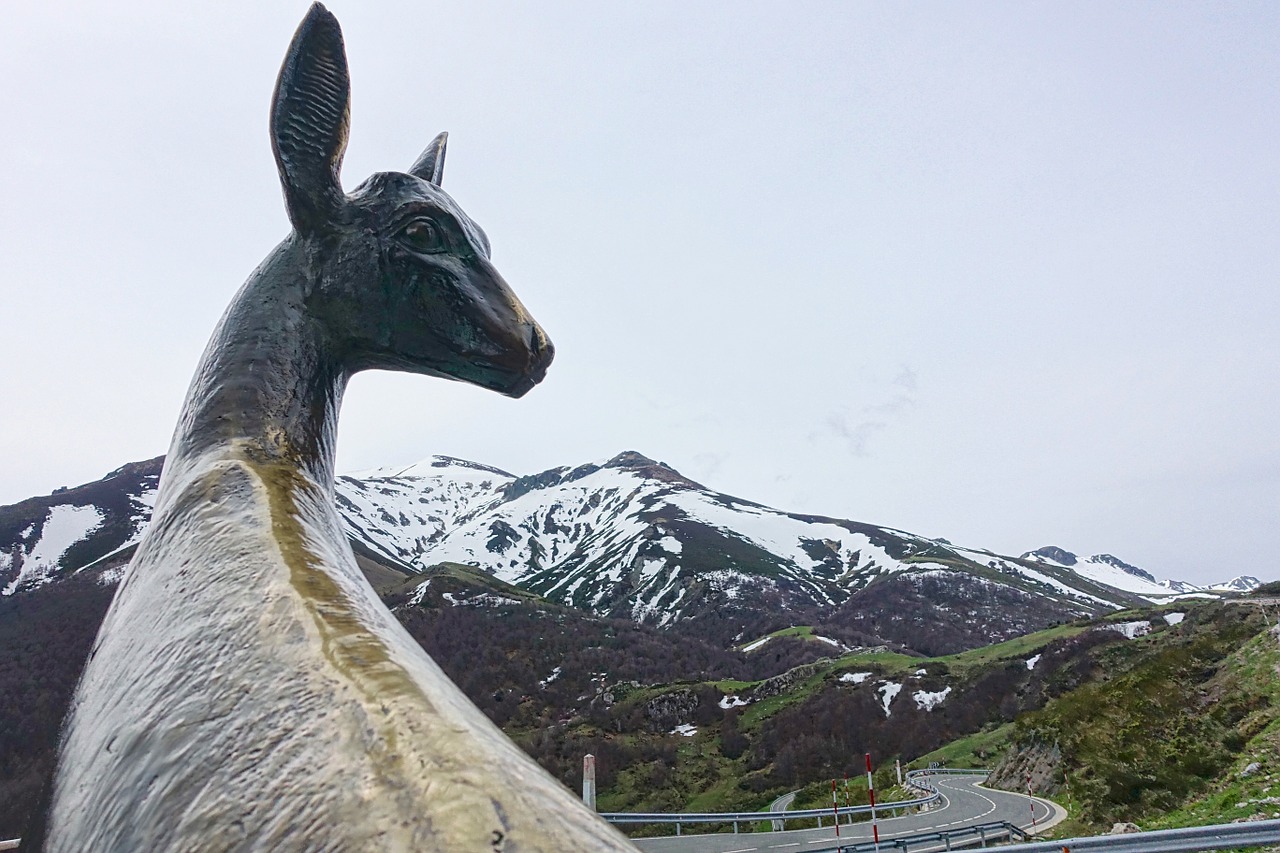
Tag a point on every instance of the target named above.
point(248, 690)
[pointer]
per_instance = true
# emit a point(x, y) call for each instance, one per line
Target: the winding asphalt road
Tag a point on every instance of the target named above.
point(964, 802)
point(781, 805)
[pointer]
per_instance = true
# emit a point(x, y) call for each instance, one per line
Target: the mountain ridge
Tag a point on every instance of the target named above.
point(629, 537)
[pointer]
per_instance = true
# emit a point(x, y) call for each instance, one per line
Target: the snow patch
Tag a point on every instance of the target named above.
point(1054, 583)
point(111, 577)
point(1033, 660)
point(1101, 571)
point(1174, 618)
point(489, 599)
point(1131, 629)
point(686, 730)
point(727, 702)
point(888, 692)
point(418, 593)
point(143, 504)
point(854, 677)
point(555, 673)
point(64, 526)
point(751, 647)
point(927, 701)
point(786, 536)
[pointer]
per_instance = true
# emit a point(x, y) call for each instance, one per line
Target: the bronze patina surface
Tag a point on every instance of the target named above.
point(248, 690)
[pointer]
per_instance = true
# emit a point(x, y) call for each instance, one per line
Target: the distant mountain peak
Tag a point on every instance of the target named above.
point(454, 462)
point(630, 460)
point(145, 468)
point(1109, 560)
point(1243, 583)
point(430, 467)
point(1061, 556)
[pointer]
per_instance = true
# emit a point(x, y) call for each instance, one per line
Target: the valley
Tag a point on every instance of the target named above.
point(714, 654)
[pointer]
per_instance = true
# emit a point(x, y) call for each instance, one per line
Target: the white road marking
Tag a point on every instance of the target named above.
point(958, 787)
point(1036, 801)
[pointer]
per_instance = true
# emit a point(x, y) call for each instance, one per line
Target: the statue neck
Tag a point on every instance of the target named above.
point(267, 388)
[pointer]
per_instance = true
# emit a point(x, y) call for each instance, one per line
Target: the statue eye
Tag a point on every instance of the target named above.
point(423, 235)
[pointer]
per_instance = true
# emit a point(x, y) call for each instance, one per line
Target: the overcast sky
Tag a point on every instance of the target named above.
point(1004, 273)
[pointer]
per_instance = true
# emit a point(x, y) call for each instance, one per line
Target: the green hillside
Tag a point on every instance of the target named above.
point(1156, 729)
point(1164, 733)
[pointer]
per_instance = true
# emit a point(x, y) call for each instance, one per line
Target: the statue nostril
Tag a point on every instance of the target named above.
point(538, 342)
point(540, 349)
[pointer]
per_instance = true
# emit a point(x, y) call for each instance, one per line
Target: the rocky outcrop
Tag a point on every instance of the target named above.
point(783, 683)
point(674, 708)
point(1036, 761)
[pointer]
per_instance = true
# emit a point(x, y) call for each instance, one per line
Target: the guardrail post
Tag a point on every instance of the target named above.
point(677, 827)
point(735, 827)
point(982, 835)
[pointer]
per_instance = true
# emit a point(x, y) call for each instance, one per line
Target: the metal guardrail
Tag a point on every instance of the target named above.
point(1225, 836)
point(980, 833)
point(914, 777)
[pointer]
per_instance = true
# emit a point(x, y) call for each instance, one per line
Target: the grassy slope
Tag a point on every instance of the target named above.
point(1252, 675)
point(803, 632)
point(1018, 648)
point(976, 750)
point(703, 779)
point(1164, 734)
point(1163, 740)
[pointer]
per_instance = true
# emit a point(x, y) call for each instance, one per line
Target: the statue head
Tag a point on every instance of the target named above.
point(397, 274)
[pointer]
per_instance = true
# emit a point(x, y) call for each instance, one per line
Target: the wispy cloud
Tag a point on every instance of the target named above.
point(707, 464)
point(856, 436)
point(856, 431)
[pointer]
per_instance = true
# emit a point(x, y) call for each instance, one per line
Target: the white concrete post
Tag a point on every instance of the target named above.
point(589, 781)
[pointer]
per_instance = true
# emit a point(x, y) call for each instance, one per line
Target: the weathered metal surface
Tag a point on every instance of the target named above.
point(248, 690)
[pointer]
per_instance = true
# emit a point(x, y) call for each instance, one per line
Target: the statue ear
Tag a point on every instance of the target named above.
point(430, 164)
point(310, 113)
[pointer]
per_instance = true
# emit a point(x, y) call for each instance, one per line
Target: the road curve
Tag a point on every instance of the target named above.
point(781, 805)
point(964, 802)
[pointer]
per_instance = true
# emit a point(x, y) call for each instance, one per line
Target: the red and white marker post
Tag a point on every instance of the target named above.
point(871, 791)
point(1031, 801)
point(835, 807)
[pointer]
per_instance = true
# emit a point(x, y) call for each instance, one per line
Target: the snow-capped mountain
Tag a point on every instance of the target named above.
point(625, 537)
point(632, 536)
point(1114, 572)
point(71, 528)
point(1243, 583)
